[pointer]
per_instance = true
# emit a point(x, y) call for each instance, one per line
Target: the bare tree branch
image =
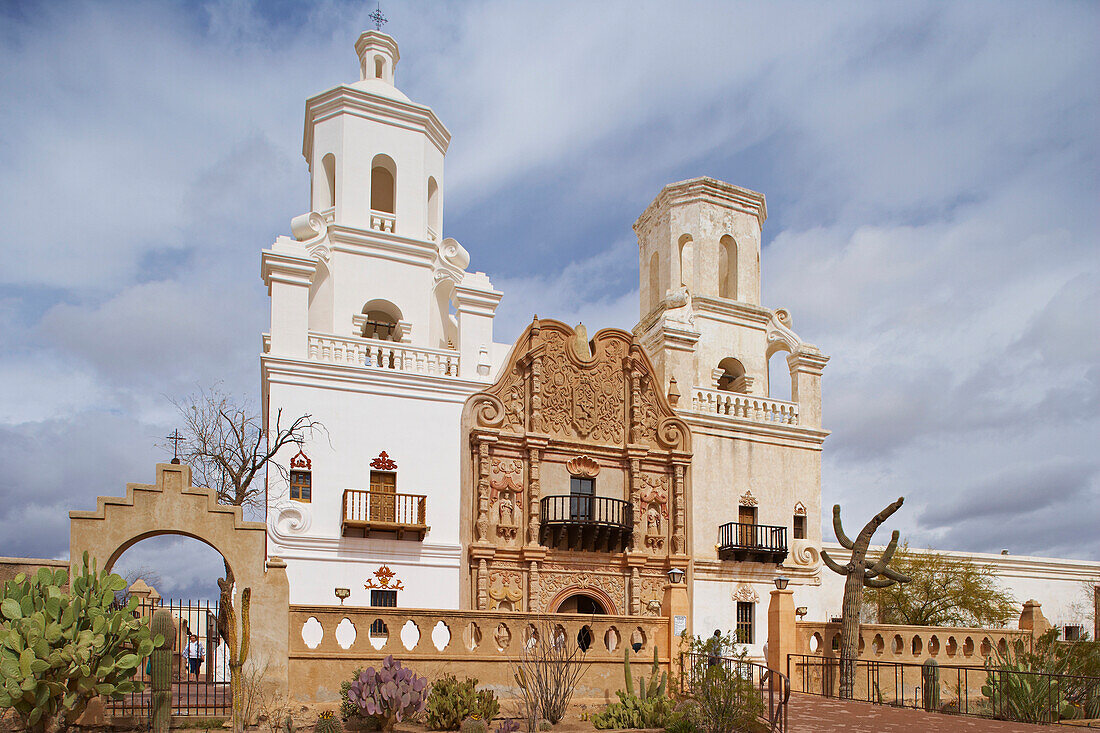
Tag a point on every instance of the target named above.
point(229, 448)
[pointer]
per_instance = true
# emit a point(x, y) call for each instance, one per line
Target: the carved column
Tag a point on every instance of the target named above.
point(483, 584)
point(536, 382)
point(534, 492)
point(679, 545)
point(483, 491)
point(636, 502)
point(534, 588)
point(635, 591)
point(634, 374)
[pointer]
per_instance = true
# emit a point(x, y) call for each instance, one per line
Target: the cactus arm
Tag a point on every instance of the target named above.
point(878, 582)
point(246, 600)
point(831, 564)
point(864, 538)
point(895, 575)
point(887, 556)
point(626, 668)
point(839, 528)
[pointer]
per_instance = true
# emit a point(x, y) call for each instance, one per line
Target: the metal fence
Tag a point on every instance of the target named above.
point(773, 687)
point(204, 692)
point(987, 692)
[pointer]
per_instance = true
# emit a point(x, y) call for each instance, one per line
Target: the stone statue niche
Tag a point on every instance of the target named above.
point(654, 508)
point(506, 498)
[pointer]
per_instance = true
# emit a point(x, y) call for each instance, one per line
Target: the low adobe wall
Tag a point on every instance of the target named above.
point(328, 643)
point(12, 566)
point(949, 646)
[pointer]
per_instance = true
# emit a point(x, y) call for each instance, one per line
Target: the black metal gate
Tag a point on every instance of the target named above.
point(204, 692)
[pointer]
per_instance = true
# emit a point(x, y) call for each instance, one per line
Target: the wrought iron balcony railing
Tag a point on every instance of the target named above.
point(586, 522)
point(753, 542)
point(381, 511)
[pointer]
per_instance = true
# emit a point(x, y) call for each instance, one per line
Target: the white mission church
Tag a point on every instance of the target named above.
point(565, 472)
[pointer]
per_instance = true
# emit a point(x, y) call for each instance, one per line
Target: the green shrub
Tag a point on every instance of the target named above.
point(59, 648)
point(723, 701)
point(450, 702)
point(349, 711)
point(681, 724)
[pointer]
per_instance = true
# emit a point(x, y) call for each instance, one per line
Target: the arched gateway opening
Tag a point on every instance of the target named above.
point(173, 506)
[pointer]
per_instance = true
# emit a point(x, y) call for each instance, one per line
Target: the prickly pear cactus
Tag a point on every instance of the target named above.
point(62, 646)
point(160, 664)
point(389, 694)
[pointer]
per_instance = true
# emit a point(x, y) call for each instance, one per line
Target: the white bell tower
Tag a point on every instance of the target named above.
point(701, 318)
point(381, 333)
point(375, 231)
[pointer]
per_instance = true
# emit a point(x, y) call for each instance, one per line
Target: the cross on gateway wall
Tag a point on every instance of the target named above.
point(173, 506)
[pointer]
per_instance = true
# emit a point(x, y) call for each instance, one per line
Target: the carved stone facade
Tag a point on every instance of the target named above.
point(565, 407)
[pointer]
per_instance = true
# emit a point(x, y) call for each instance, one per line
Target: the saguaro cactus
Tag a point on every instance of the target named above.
point(160, 665)
point(227, 629)
point(859, 573)
point(930, 684)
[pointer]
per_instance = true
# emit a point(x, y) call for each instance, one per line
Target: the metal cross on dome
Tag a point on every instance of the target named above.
point(378, 18)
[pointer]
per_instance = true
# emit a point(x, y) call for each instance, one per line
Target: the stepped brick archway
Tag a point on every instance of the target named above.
point(173, 506)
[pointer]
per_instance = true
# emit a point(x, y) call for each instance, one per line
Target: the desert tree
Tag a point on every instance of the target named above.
point(943, 591)
point(231, 450)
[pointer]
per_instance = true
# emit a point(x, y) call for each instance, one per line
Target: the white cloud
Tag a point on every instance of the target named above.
point(930, 172)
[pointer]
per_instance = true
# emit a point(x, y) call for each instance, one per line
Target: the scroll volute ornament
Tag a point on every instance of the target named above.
point(583, 466)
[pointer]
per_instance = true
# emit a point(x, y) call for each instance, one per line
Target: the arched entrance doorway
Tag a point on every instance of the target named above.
point(581, 603)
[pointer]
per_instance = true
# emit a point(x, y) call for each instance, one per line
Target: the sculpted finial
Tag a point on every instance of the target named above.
point(581, 345)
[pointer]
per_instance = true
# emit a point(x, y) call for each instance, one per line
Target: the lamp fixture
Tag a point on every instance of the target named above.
point(781, 582)
point(675, 575)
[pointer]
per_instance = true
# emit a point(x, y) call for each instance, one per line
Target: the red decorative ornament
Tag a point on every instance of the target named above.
point(385, 576)
point(383, 463)
point(301, 461)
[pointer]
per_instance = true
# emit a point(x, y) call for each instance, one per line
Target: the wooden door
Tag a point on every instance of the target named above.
point(746, 518)
point(383, 496)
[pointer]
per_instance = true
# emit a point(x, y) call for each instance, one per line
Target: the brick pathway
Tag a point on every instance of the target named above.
point(812, 714)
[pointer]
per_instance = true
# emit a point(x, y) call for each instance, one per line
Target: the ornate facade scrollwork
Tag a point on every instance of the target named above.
point(583, 466)
point(556, 577)
point(747, 499)
point(505, 590)
point(312, 231)
point(745, 594)
point(563, 406)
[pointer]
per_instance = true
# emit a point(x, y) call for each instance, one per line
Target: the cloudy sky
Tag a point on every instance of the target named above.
point(931, 173)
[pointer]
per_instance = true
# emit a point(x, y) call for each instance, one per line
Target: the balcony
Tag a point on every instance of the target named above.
point(376, 511)
point(752, 542)
point(595, 523)
point(383, 355)
point(744, 406)
point(382, 221)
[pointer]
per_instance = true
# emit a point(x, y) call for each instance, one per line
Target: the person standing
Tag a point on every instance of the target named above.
point(195, 654)
point(714, 648)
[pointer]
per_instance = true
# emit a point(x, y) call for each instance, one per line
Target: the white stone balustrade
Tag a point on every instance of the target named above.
point(744, 406)
point(378, 354)
point(380, 221)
